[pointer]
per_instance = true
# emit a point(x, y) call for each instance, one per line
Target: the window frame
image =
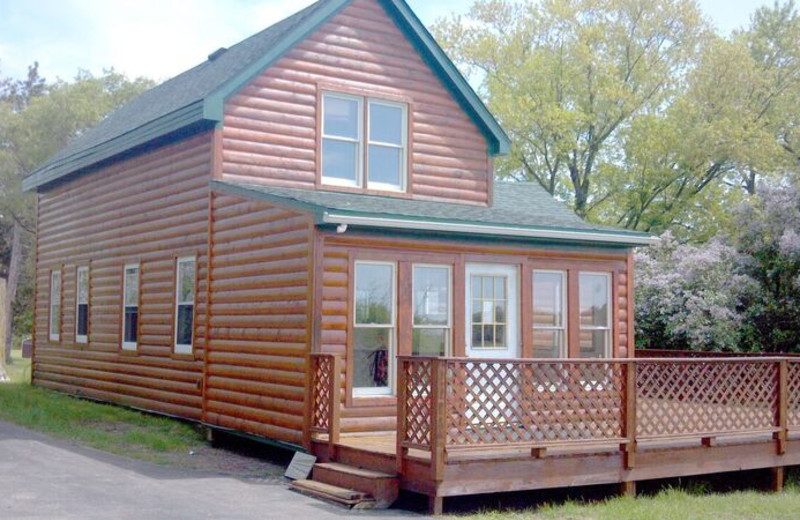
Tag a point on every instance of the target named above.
point(564, 329)
point(181, 348)
point(389, 389)
point(494, 323)
point(403, 147)
point(359, 142)
point(131, 346)
point(82, 338)
point(609, 328)
point(55, 335)
point(449, 327)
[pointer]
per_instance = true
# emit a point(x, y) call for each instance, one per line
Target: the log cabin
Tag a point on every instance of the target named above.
point(301, 239)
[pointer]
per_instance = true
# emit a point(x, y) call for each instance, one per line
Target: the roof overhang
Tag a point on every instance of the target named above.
point(550, 234)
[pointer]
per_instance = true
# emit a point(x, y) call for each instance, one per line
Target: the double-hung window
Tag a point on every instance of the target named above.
point(82, 305)
point(431, 310)
point(595, 314)
point(372, 158)
point(55, 306)
point(374, 328)
point(130, 307)
point(186, 280)
point(549, 314)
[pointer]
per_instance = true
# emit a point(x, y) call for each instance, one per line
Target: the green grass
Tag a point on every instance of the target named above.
point(670, 504)
point(105, 427)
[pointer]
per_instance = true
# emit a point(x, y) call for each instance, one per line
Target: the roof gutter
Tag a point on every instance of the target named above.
point(481, 229)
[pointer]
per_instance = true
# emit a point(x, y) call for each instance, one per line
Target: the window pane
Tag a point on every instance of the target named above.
point(547, 343)
point(132, 286)
point(341, 117)
point(594, 295)
point(372, 347)
point(386, 124)
point(185, 321)
point(186, 281)
point(83, 319)
point(431, 296)
point(488, 287)
point(340, 160)
point(130, 334)
point(374, 294)
point(548, 293)
point(55, 288)
point(385, 164)
point(593, 343)
point(83, 286)
point(429, 342)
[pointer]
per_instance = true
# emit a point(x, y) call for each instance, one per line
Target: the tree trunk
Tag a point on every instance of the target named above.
point(3, 304)
point(14, 270)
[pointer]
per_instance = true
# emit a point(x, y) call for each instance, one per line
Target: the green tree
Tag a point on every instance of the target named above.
point(36, 120)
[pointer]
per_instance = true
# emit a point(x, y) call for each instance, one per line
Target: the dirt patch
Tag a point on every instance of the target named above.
point(236, 461)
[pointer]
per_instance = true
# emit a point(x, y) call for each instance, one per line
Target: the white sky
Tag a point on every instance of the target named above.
point(161, 38)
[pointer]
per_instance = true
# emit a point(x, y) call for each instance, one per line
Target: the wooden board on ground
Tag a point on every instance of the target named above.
point(300, 467)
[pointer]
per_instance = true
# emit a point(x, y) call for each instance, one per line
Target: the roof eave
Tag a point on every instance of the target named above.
point(551, 234)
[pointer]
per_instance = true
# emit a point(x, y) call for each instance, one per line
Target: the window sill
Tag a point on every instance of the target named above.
point(371, 401)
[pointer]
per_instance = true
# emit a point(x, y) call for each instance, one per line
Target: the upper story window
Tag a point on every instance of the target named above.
point(374, 158)
point(82, 305)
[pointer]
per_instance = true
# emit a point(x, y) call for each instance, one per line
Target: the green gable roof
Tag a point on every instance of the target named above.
point(520, 210)
point(197, 97)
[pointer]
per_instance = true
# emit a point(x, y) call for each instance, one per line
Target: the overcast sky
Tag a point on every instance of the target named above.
point(161, 38)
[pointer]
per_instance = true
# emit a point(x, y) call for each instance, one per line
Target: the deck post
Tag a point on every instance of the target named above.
point(435, 505)
point(783, 401)
point(402, 399)
point(438, 407)
point(778, 475)
point(628, 488)
point(335, 405)
point(629, 423)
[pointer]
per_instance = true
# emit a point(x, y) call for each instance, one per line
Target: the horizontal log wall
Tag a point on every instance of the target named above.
point(259, 338)
point(379, 414)
point(147, 209)
point(271, 135)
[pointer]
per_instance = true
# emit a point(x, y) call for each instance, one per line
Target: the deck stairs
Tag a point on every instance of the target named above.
point(350, 486)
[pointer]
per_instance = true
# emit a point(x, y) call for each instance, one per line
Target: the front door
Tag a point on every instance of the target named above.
point(492, 321)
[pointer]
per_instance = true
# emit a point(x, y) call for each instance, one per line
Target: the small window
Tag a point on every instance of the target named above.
point(341, 139)
point(82, 305)
point(595, 315)
point(55, 305)
point(549, 314)
point(488, 318)
point(386, 150)
point(130, 308)
point(431, 324)
point(374, 328)
point(184, 304)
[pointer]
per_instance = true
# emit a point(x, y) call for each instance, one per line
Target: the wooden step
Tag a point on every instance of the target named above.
point(384, 488)
point(339, 495)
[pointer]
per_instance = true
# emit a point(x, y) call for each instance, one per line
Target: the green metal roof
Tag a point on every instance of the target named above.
point(519, 210)
point(197, 97)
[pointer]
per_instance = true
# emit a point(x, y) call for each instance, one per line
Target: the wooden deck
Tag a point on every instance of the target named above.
point(470, 426)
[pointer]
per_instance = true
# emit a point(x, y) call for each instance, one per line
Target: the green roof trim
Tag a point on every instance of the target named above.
point(521, 211)
point(197, 96)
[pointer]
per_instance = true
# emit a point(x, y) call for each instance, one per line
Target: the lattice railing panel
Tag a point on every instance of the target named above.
point(322, 371)
point(418, 394)
point(515, 402)
point(685, 397)
point(793, 394)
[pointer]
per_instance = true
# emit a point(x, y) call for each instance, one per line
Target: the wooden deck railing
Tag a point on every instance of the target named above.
point(326, 370)
point(452, 404)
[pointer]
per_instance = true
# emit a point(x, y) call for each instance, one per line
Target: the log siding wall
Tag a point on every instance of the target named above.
point(339, 252)
point(148, 209)
point(257, 358)
point(271, 134)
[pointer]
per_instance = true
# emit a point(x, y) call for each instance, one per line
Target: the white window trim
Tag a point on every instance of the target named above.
point(81, 338)
point(181, 348)
point(564, 348)
point(54, 335)
point(389, 389)
point(609, 315)
point(130, 345)
point(449, 326)
point(403, 147)
point(359, 142)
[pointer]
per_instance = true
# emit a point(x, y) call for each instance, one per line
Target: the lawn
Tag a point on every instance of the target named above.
point(671, 504)
point(105, 427)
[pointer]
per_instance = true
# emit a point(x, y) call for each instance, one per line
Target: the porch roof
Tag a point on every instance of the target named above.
point(519, 210)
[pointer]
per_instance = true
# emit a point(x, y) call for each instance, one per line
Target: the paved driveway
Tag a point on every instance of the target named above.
point(45, 478)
